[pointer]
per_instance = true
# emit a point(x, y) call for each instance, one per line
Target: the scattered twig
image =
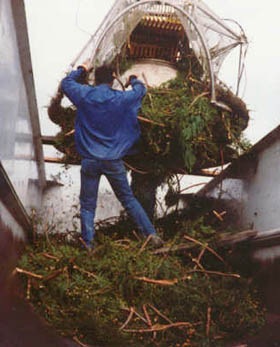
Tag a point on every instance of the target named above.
point(207, 247)
point(145, 80)
point(122, 241)
point(75, 338)
point(54, 274)
point(137, 314)
point(150, 121)
point(131, 313)
point(120, 82)
point(28, 273)
point(172, 249)
point(147, 316)
point(212, 273)
point(144, 244)
point(151, 100)
point(160, 314)
point(46, 232)
point(195, 81)
point(89, 274)
point(134, 169)
point(135, 234)
point(200, 255)
point(160, 282)
point(196, 98)
point(192, 186)
point(125, 243)
point(208, 321)
point(49, 256)
point(149, 323)
point(101, 291)
point(28, 289)
point(161, 327)
point(197, 264)
point(219, 215)
point(71, 132)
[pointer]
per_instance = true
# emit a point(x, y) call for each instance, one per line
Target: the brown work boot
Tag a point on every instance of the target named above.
point(156, 241)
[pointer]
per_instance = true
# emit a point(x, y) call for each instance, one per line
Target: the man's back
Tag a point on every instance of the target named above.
point(106, 124)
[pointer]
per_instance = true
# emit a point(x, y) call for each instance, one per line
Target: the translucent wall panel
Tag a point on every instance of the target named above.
point(16, 138)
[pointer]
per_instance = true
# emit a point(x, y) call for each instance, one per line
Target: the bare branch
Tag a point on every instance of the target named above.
point(160, 282)
point(204, 245)
point(161, 327)
point(131, 313)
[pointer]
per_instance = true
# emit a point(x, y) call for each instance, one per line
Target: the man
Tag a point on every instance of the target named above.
point(106, 129)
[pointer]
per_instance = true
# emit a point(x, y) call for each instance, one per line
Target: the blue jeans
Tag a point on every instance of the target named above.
point(115, 172)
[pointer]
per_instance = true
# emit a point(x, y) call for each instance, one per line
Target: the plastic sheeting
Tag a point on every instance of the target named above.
point(209, 36)
point(16, 137)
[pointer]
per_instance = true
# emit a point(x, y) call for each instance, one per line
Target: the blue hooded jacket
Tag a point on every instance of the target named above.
point(106, 125)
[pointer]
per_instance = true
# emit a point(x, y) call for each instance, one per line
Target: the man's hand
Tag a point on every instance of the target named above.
point(86, 65)
point(130, 78)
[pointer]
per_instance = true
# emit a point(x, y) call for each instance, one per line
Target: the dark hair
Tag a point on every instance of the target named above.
point(104, 74)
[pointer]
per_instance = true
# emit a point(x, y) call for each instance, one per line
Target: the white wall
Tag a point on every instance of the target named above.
point(257, 197)
point(60, 211)
point(261, 194)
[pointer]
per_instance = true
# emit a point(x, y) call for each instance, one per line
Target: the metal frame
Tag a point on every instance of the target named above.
point(8, 195)
point(190, 18)
point(20, 24)
point(11, 201)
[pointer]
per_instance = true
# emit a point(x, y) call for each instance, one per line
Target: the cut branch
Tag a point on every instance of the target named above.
point(160, 314)
point(28, 289)
point(131, 313)
point(159, 282)
point(208, 321)
point(196, 98)
point(137, 314)
point(79, 342)
point(145, 244)
point(29, 273)
point(54, 274)
point(147, 316)
point(161, 327)
point(136, 170)
point(89, 274)
point(49, 256)
point(204, 245)
point(212, 273)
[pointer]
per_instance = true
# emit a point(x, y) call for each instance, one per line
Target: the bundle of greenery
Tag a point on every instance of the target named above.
point(182, 131)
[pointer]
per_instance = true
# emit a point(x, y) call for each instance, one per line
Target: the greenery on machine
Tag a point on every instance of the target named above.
point(182, 131)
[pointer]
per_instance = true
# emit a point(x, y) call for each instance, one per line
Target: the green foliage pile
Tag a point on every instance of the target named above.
point(126, 293)
point(188, 132)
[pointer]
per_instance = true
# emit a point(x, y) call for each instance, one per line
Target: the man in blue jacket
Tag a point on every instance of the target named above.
point(106, 128)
